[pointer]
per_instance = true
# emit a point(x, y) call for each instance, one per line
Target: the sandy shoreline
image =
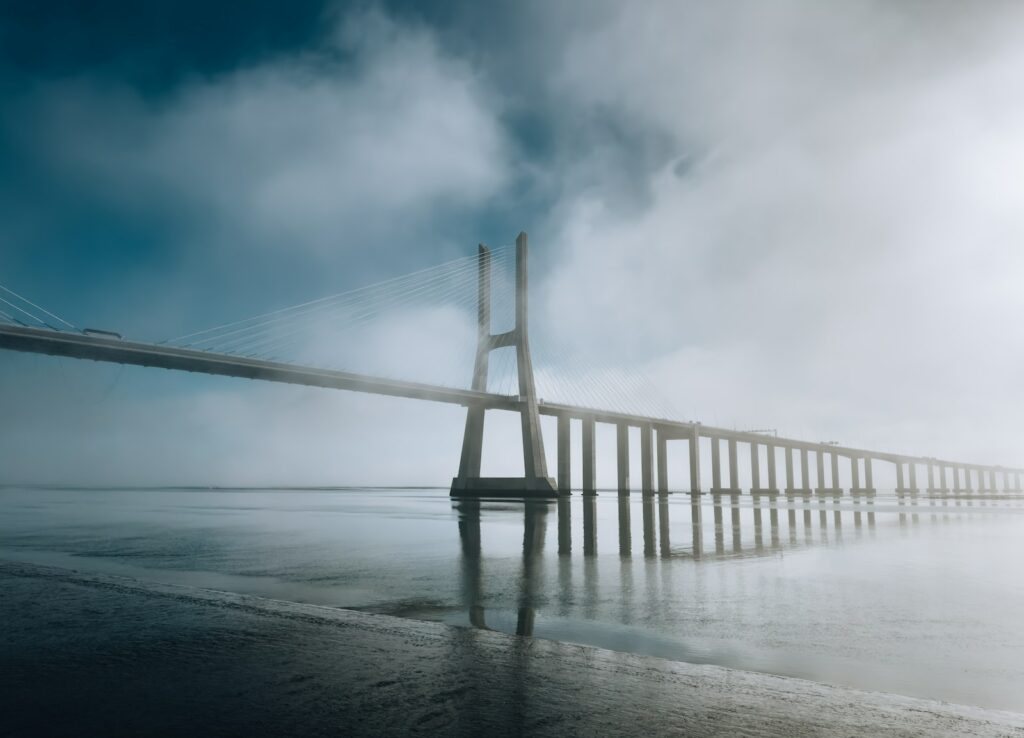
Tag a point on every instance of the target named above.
point(96, 654)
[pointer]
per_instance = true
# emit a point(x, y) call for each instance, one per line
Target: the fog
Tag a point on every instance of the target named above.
point(796, 216)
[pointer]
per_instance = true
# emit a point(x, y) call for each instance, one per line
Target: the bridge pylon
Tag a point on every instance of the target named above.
point(535, 481)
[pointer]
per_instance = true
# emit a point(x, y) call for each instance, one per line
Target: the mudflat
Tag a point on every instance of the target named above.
point(92, 654)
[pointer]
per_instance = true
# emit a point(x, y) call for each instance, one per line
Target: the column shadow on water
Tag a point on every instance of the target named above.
point(588, 596)
point(530, 580)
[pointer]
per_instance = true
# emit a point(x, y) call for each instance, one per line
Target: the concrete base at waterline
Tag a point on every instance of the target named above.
point(863, 492)
point(829, 491)
point(725, 491)
point(544, 487)
point(799, 491)
point(765, 492)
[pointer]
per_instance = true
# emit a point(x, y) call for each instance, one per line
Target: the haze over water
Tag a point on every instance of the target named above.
point(912, 596)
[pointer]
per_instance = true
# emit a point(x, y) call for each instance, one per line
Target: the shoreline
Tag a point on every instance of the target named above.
point(122, 654)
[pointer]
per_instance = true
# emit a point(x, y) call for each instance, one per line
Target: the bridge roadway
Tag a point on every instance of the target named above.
point(113, 350)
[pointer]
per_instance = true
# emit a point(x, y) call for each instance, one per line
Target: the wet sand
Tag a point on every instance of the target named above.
point(89, 654)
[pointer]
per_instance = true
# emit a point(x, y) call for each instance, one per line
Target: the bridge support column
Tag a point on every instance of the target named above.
point(535, 481)
point(695, 459)
point(931, 477)
point(805, 476)
point(662, 461)
point(956, 478)
point(912, 467)
point(589, 467)
point(1006, 481)
point(755, 467)
point(942, 477)
point(836, 487)
point(734, 469)
point(968, 487)
point(820, 467)
point(1016, 481)
point(869, 481)
point(564, 458)
point(646, 471)
point(900, 487)
point(622, 456)
point(716, 466)
point(773, 487)
point(992, 479)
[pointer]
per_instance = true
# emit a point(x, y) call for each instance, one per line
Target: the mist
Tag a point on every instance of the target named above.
point(804, 219)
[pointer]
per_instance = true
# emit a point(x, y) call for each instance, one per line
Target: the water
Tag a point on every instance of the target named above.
point(919, 596)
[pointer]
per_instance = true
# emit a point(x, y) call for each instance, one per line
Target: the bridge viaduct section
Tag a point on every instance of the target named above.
point(723, 458)
point(655, 433)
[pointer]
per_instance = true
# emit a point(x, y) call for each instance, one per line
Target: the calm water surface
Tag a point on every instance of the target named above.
point(920, 596)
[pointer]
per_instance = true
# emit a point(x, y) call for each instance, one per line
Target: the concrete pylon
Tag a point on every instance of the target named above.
point(535, 482)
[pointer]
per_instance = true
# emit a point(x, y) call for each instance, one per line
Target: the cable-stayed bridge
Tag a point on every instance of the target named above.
point(389, 328)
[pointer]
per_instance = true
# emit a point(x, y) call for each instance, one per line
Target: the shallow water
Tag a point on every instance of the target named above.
point(917, 596)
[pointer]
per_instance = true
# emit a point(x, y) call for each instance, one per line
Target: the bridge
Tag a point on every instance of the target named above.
point(26, 327)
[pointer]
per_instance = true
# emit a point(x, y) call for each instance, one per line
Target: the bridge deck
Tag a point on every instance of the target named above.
point(107, 349)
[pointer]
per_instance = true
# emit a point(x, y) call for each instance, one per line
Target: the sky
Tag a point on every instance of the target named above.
point(789, 215)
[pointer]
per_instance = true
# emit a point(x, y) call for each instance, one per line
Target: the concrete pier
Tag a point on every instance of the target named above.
point(755, 470)
point(912, 468)
point(755, 467)
point(901, 488)
point(773, 487)
point(856, 488)
point(646, 466)
point(956, 478)
point(869, 477)
point(694, 444)
point(589, 466)
point(716, 465)
point(805, 477)
point(792, 488)
point(622, 457)
point(535, 481)
point(717, 487)
point(662, 435)
point(734, 468)
point(835, 489)
point(564, 459)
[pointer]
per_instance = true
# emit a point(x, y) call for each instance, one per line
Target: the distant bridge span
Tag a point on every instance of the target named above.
point(104, 349)
point(654, 432)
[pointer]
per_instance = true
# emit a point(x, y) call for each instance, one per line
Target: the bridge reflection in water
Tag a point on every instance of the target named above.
point(738, 526)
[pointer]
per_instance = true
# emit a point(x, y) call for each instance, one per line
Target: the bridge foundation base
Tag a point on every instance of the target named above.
point(717, 491)
point(828, 491)
point(863, 491)
point(764, 491)
point(505, 487)
point(799, 491)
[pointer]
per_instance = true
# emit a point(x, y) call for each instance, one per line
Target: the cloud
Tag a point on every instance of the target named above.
point(796, 215)
point(370, 136)
point(830, 220)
